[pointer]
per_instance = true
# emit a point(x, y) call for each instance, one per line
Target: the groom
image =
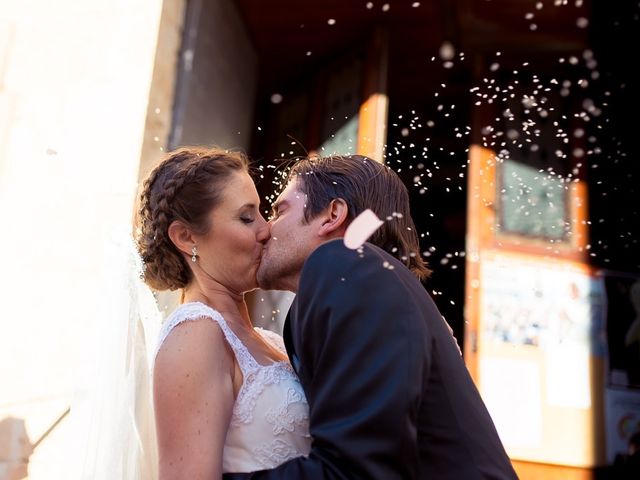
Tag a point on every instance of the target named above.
point(388, 393)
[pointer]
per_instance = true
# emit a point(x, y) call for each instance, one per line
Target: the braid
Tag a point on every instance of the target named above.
point(165, 266)
point(153, 240)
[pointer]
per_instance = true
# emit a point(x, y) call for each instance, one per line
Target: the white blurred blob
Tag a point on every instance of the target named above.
point(487, 130)
point(369, 5)
point(360, 229)
point(578, 153)
point(404, 132)
point(512, 134)
point(578, 133)
point(331, 21)
point(588, 105)
point(415, 4)
point(276, 98)
point(447, 51)
point(386, 7)
point(494, 67)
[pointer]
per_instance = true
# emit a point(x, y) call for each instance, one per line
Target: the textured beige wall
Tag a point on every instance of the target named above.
point(74, 89)
point(221, 85)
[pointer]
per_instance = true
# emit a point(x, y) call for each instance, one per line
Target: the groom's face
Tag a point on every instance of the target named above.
point(292, 241)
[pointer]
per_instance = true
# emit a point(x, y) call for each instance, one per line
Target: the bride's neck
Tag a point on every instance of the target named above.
point(231, 305)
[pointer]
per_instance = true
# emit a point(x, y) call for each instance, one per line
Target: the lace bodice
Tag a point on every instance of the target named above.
point(270, 421)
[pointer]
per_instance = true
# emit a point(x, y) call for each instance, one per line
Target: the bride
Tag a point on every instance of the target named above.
point(225, 397)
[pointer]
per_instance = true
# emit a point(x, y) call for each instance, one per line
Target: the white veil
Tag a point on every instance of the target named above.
point(113, 410)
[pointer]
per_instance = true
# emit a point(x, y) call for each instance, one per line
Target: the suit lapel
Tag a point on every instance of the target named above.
point(287, 335)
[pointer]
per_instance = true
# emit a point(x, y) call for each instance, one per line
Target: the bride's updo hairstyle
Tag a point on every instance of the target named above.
point(185, 186)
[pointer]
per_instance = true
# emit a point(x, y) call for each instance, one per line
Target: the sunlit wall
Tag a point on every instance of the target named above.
point(74, 87)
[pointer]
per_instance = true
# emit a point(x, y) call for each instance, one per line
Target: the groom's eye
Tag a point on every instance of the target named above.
point(247, 219)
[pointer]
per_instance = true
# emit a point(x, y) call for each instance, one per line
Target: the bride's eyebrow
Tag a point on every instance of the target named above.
point(248, 206)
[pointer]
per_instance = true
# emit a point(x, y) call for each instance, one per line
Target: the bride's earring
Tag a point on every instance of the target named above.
point(194, 254)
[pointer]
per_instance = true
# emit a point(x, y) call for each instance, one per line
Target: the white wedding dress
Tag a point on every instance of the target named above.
point(270, 420)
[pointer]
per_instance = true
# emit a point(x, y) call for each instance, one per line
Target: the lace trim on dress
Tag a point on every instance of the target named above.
point(273, 338)
point(275, 453)
point(253, 385)
point(284, 420)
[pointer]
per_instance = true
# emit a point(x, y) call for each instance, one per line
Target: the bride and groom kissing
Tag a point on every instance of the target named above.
point(367, 381)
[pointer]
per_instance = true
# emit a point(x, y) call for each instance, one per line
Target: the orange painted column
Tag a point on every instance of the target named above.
point(375, 102)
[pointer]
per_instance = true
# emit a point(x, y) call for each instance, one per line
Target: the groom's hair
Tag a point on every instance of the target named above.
point(363, 184)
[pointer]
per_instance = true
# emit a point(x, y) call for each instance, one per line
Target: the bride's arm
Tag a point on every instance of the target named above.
point(193, 398)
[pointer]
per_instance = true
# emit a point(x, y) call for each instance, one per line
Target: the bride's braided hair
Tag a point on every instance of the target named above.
point(185, 186)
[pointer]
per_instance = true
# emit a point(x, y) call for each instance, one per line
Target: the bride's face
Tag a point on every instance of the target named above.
point(230, 252)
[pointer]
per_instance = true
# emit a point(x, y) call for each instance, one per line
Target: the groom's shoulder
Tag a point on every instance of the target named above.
point(327, 256)
point(336, 248)
point(335, 255)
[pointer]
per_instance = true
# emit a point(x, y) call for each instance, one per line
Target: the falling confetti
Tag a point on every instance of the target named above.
point(447, 51)
point(360, 229)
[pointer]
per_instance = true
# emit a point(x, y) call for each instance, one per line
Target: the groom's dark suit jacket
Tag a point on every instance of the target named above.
point(389, 394)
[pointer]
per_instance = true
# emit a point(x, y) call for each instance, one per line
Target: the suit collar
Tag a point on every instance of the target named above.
point(287, 335)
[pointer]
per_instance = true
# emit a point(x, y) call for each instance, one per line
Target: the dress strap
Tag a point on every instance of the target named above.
point(197, 310)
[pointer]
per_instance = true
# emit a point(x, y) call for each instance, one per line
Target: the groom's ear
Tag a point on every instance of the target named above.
point(334, 222)
point(181, 237)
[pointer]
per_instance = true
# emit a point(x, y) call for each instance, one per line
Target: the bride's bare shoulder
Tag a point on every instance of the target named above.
point(195, 350)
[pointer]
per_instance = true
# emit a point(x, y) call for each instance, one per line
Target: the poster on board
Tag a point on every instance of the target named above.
point(541, 324)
